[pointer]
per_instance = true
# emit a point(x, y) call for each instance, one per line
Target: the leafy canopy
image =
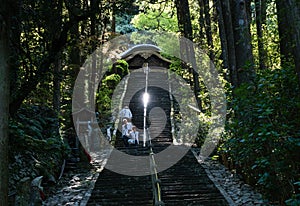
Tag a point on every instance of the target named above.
point(157, 17)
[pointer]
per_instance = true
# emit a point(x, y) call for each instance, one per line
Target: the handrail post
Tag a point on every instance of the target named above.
point(145, 100)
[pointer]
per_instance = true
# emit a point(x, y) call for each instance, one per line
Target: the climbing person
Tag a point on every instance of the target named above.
point(126, 113)
point(133, 136)
point(126, 128)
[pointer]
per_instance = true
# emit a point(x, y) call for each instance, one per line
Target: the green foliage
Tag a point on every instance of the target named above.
point(121, 7)
point(106, 91)
point(182, 69)
point(108, 84)
point(35, 149)
point(166, 41)
point(295, 199)
point(263, 132)
point(270, 38)
point(123, 24)
point(156, 17)
point(34, 121)
point(120, 68)
point(176, 66)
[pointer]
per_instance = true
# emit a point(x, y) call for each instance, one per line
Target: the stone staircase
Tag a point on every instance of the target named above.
point(185, 183)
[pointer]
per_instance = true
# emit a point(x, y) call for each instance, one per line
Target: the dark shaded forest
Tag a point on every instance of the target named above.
point(254, 44)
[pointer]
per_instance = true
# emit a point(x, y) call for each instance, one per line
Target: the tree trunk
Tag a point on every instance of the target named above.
point(284, 32)
point(4, 98)
point(75, 57)
point(185, 27)
point(184, 18)
point(208, 29)
point(94, 35)
point(222, 34)
point(227, 16)
point(201, 21)
point(56, 91)
point(15, 45)
point(56, 45)
point(294, 22)
point(242, 39)
point(57, 74)
point(289, 33)
point(260, 15)
point(113, 18)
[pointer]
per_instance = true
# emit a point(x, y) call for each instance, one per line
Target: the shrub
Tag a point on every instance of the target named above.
point(262, 134)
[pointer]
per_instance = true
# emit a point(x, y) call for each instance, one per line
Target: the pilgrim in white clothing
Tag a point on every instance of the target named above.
point(133, 136)
point(126, 128)
point(125, 113)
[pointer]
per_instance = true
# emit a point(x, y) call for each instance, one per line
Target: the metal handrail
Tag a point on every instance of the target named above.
point(154, 174)
point(157, 197)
